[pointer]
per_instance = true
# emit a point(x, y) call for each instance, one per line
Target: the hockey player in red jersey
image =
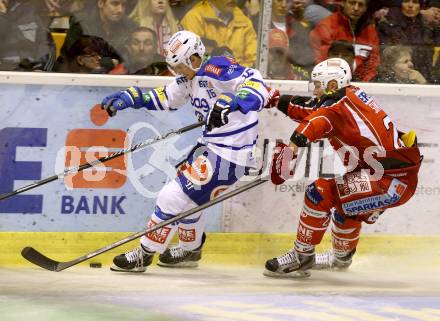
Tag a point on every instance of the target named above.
point(382, 167)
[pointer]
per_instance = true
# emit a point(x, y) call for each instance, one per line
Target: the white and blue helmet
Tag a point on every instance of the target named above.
point(181, 46)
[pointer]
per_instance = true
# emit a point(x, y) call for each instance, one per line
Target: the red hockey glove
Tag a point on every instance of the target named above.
point(273, 99)
point(281, 167)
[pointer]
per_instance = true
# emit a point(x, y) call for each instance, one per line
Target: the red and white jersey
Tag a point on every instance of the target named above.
point(355, 120)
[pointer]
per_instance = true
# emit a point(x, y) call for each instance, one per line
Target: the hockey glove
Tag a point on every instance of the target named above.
point(218, 115)
point(131, 97)
point(273, 98)
point(281, 163)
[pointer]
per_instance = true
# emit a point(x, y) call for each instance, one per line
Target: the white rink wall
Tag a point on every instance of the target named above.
point(265, 209)
point(277, 209)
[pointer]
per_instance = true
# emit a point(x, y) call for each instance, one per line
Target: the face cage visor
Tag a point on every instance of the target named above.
point(314, 85)
point(178, 68)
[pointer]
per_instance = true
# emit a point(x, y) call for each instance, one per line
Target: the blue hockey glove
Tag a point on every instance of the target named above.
point(218, 115)
point(130, 97)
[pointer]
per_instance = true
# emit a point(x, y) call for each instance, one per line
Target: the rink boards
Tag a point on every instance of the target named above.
point(239, 249)
point(43, 114)
point(395, 274)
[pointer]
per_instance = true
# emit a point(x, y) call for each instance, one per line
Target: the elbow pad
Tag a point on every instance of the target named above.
point(299, 139)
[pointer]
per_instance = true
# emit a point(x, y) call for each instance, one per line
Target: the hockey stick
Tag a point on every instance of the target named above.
point(37, 258)
point(82, 167)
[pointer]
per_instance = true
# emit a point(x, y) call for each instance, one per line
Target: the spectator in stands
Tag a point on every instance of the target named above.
point(84, 56)
point(222, 51)
point(332, 5)
point(107, 19)
point(279, 13)
point(431, 12)
point(140, 55)
point(298, 30)
point(65, 7)
point(404, 25)
point(213, 49)
point(27, 44)
point(158, 16)
point(224, 22)
point(313, 12)
point(181, 7)
point(345, 25)
point(251, 8)
point(279, 66)
point(343, 49)
point(57, 12)
point(397, 67)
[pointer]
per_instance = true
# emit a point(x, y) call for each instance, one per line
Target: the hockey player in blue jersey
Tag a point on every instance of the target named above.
point(228, 97)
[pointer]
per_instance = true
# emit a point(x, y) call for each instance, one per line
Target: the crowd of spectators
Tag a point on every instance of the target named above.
point(394, 41)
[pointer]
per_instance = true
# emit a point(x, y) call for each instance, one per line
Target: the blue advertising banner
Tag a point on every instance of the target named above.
point(44, 129)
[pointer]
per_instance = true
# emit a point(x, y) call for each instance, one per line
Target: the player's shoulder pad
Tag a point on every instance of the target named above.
point(221, 68)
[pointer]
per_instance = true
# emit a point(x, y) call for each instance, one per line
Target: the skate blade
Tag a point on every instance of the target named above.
point(330, 268)
point(322, 268)
point(135, 270)
point(291, 275)
point(191, 264)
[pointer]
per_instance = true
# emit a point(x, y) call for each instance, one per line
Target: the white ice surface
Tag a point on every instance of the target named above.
point(375, 288)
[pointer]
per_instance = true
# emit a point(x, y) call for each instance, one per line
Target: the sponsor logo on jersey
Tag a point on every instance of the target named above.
point(308, 211)
point(187, 235)
point(372, 218)
point(372, 203)
point(161, 94)
point(181, 80)
point(231, 69)
point(159, 236)
point(251, 84)
point(313, 194)
point(134, 92)
point(363, 96)
point(213, 69)
point(337, 217)
point(353, 183)
point(232, 60)
point(218, 191)
point(226, 98)
point(146, 97)
point(398, 174)
point(243, 94)
point(341, 245)
point(305, 234)
point(175, 46)
point(199, 172)
point(400, 189)
point(368, 100)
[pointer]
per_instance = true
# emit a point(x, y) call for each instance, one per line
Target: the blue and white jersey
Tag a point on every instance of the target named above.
point(236, 140)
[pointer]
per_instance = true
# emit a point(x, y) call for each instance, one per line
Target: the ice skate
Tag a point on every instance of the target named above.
point(329, 261)
point(178, 257)
point(290, 265)
point(135, 260)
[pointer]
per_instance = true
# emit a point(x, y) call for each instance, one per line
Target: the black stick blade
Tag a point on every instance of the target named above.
point(35, 257)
